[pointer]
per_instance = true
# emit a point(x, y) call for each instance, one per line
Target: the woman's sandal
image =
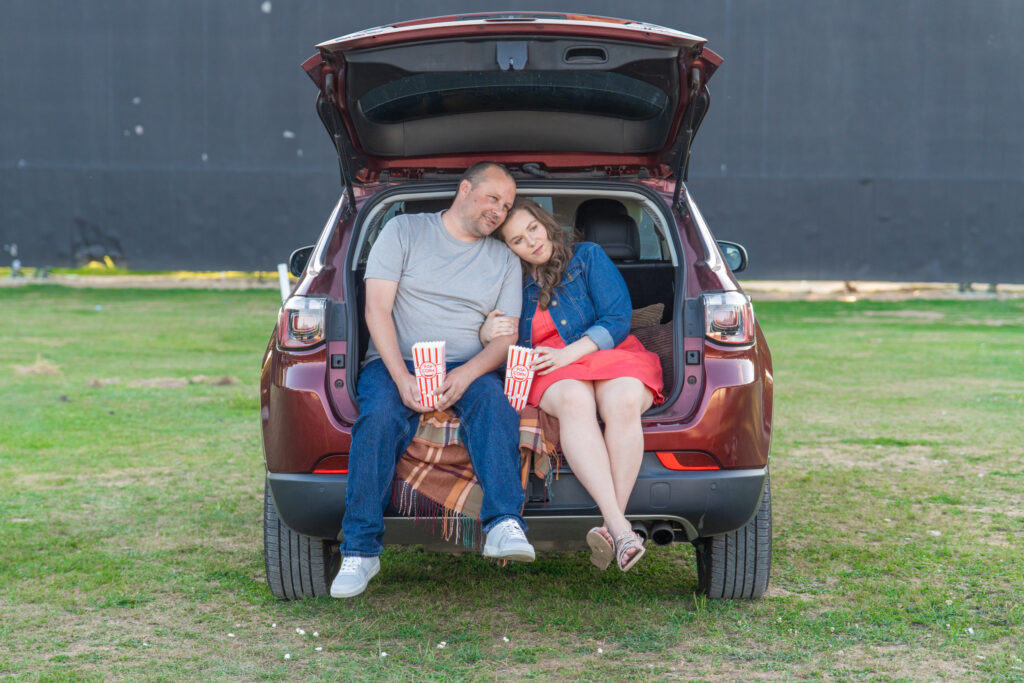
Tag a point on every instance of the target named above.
point(602, 548)
point(623, 543)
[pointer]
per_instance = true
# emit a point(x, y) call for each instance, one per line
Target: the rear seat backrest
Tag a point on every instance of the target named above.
point(606, 222)
point(426, 205)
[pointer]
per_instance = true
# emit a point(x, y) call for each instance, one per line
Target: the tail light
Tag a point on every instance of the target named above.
point(300, 323)
point(686, 461)
point(729, 318)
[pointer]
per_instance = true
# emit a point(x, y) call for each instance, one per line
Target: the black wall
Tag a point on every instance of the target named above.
point(870, 140)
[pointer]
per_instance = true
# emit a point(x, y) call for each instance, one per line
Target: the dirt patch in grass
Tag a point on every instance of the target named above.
point(181, 382)
point(913, 457)
point(160, 383)
point(907, 314)
point(103, 382)
point(224, 381)
point(42, 366)
point(991, 322)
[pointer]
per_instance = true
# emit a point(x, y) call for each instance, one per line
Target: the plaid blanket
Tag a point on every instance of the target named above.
point(435, 483)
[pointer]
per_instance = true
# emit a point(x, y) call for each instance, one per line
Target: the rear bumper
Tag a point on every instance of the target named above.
point(695, 504)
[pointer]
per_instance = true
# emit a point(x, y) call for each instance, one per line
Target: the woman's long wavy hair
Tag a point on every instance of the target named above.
point(548, 274)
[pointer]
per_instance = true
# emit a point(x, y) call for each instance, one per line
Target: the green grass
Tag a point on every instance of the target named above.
point(131, 516)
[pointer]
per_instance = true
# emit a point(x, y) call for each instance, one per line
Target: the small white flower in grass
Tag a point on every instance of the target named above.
point(947, 625)
point(318, 648)
point(145, 644)
point(980, 656)
point(949, 602)
point(887, 520)
point(273, 626)
point(505, 638)
point(832, 629)
point(442, 645)
point(934, 532)
point(231, 635)
point(600, 650)
point(383, 655)
point(316, 634)
point(970, 630)
point(287, 656)
point(300, 631)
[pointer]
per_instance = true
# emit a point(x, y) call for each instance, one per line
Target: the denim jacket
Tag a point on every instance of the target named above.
point(592, 300)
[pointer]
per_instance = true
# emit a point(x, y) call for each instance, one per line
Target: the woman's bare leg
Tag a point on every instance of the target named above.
point(620, 402)
point(573, 403)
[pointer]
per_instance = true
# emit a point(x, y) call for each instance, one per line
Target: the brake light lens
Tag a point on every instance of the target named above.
point(729, 318)
point(332, 464)
point(300, 323)
point(680, 461)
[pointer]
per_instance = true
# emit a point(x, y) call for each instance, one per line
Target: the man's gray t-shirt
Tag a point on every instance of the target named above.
point(446, 287)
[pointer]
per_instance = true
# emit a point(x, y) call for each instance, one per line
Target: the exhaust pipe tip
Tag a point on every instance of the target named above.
point(642, 530)
point(662, 533)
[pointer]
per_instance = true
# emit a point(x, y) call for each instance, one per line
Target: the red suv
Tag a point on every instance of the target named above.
point(594, 117)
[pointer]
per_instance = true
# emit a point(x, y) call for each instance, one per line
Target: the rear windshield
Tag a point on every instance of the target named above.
point(582, 92)
point(454, 97)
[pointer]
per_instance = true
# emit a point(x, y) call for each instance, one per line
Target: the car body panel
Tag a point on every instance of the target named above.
point(702, 504)
point(436, 94)
point(720, 405)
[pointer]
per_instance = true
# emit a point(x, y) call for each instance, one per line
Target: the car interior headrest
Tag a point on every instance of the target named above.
point(598, 207)
point(426, 205)
point(616, 233)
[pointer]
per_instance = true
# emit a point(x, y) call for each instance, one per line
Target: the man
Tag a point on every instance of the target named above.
point(432, 277)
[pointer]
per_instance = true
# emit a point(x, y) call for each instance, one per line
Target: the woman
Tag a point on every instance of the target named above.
point(576, 313)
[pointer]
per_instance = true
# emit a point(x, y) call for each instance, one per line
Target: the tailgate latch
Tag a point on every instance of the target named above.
point(512, 55)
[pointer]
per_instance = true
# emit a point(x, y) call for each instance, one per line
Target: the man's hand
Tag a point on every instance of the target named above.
point(409, 390)
point(455, 384)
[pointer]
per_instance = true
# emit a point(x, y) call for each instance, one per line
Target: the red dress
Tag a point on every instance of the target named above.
point(628, 359)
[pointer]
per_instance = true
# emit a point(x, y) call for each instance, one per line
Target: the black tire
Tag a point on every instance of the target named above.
point(298, 566)
point(738, 564)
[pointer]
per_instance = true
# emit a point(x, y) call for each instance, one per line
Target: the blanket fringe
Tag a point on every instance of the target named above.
point(437, 519)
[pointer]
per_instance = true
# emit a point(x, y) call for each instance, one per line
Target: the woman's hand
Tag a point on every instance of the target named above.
point(547, 359)
point(497, 324)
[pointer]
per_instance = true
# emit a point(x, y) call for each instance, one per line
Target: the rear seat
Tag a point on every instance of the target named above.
point(607, 222)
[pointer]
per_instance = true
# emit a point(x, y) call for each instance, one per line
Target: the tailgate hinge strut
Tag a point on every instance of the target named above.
point(682, 170)
point(337, 130)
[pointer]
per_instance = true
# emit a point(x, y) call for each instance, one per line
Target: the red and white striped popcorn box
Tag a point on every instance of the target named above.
point(518, 375)
point(428, 358)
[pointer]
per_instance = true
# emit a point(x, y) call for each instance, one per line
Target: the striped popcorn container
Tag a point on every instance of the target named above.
point(428, 357)
point(518, 375)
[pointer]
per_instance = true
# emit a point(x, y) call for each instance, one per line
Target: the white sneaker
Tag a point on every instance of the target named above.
point(508, 542)
point(353, 576)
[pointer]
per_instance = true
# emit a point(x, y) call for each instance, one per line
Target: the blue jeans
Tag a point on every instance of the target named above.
point(488, 427)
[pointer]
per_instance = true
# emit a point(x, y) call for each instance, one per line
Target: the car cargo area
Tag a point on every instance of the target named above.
point(629, 226)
